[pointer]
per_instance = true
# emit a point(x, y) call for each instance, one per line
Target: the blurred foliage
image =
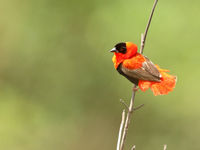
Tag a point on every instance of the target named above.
point(58, 86)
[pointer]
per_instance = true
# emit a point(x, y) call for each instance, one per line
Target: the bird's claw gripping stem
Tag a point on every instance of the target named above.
point(135, 89)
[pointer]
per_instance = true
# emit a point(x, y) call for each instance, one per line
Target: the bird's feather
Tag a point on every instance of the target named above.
point(148, 72)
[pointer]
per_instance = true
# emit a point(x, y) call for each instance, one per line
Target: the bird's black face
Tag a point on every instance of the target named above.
point(119, 48)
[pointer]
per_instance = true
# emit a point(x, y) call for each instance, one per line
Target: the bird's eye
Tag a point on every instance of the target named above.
point(121, 47)
point(122, 50)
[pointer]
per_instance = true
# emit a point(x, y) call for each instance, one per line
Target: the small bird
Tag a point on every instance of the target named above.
point(138, 69)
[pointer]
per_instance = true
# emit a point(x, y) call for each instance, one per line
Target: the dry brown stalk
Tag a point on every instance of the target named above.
point(123, 131)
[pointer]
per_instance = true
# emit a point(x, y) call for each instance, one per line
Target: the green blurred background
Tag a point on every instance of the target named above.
point(58, 86)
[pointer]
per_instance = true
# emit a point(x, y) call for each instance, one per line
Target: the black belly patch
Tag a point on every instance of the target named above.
point(133, 80)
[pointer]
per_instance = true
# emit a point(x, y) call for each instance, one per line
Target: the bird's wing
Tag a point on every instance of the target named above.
point(147, 72)
point(133, 80)
point(151, 68)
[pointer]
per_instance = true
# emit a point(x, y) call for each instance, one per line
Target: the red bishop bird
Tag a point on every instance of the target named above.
point(138, 69)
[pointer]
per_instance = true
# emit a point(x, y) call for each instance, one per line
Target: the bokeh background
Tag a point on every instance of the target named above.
point(58, 86)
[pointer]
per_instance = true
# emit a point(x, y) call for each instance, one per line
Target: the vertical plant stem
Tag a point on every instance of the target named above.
point(121, 141)
point(128, 117)
point(120, 130)
point(147, 27)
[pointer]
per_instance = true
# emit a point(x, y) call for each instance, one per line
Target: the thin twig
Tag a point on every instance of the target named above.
point(128, 117)
point(136, 108)
point(120, 129)
point(147, 27)
point(142, 43)
point(165, 147)
point(123, 102)
point(133, 148)
point(131, 108)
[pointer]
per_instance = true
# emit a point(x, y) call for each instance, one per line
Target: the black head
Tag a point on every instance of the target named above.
point(119, 48)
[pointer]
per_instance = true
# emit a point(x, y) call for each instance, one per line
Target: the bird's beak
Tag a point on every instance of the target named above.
point(114, 50)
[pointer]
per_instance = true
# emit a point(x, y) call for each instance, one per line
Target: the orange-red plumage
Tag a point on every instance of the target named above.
point(166, 85)
point(140, 70)
point(135, 62)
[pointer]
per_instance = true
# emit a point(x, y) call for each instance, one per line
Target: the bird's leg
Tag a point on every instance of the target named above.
point(135, 89)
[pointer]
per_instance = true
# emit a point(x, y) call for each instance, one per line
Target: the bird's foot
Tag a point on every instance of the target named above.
point(135, 89)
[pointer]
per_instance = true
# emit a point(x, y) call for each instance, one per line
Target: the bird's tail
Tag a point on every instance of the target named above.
point(166, 85)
